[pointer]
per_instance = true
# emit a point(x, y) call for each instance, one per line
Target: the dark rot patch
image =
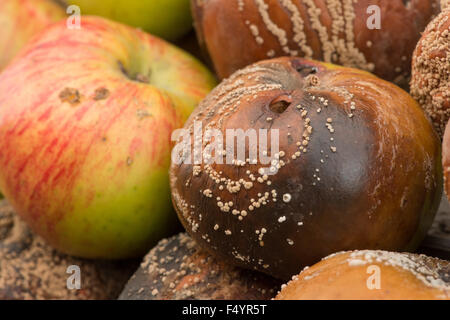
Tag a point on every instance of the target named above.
point(101, 94)
point(71, 96)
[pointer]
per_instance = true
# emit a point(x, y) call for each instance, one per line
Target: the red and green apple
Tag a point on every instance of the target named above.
point(86, 119)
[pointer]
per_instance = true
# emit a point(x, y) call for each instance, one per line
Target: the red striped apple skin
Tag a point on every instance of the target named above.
point(20, 20)
point(86, 118)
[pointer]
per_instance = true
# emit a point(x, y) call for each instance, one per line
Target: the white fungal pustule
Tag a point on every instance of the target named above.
point(287, 197)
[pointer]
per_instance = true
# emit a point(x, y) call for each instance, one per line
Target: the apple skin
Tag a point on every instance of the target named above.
point(169, 19)
point(84, 148)
point(20, 20)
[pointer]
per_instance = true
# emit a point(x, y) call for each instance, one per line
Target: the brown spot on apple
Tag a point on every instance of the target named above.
point(101, 94)
point(142, 113)
point(71, 96)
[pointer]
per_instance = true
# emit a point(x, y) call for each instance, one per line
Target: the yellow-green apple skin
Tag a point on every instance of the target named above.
point(86, 118)
point(169, 19)
point(20, 20)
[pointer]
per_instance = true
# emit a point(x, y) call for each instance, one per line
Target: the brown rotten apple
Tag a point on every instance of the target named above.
point(358, 166)
point(430, 83)
point(178, 269)
point(239, 32)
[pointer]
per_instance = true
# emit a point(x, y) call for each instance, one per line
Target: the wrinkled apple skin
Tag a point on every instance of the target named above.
point(84, 148)
point(169, 19)
point(20, 20)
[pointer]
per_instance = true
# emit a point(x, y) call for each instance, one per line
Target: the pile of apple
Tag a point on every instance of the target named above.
point(91, 92)
point(86, 117)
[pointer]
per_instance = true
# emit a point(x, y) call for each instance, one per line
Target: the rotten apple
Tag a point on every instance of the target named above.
point(353, 163)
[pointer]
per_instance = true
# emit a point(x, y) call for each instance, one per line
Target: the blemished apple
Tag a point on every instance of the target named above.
point(20, 20)
point(86, 120)
point(169, 19)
